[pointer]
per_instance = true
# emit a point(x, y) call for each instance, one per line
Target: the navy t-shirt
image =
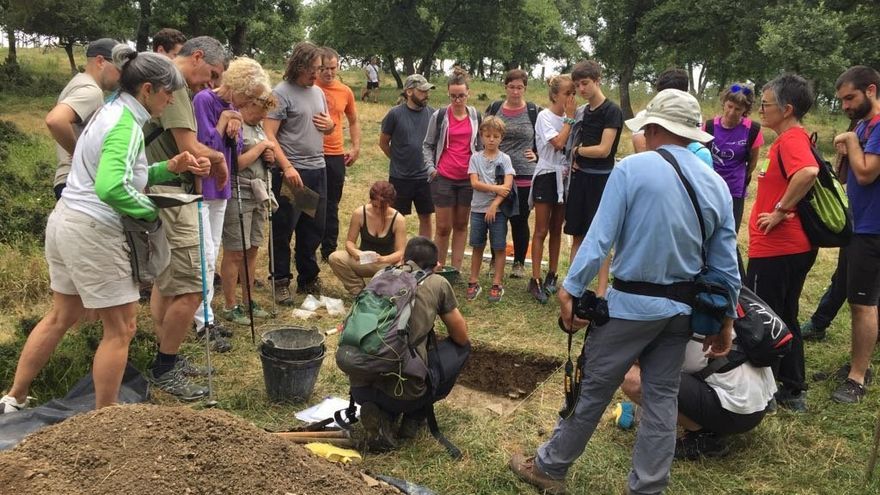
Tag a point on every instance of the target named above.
point(864, 201)
point(606, 116)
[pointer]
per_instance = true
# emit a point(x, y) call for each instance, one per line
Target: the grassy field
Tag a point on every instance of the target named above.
point(821, 452)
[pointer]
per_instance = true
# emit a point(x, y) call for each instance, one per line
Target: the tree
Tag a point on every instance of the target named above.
point(7, 21)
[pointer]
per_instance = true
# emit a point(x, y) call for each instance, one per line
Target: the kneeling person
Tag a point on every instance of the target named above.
point(382, 233)
point(386, 397)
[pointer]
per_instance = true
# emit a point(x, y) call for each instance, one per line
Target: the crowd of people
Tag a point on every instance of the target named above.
point(187, 118)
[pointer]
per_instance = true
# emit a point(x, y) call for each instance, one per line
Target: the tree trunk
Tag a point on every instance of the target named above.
point(626, 77)
point(237, 39)
point(689, 67)
point(439, 39)
point(393, 69)
point(143, 29)
point(704, 81)
point(12, 56)
point(68, 48)
point(409, 65)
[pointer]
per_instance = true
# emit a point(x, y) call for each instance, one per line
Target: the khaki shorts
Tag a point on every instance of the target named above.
point(254, 222)
point(88, 259)
point(183, 275)
point(181, 223)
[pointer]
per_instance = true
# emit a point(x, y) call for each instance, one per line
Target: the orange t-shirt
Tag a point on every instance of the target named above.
point(340, 101)
point(788, 237)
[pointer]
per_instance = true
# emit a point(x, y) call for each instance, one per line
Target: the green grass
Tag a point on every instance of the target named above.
point(821, 452)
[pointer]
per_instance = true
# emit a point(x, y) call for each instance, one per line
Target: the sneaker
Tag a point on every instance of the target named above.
point(496, 293)
point(8, 404)
point(282, 293)
point(537, 291)
point(519, 271)
point(626, 415)
point(809, 331)
point(189, 369)
point(221, 330)
point(842, 374)
point(473, 290)
point(236, 315)
point(409, 427)
point(259, 312)
point(794, 402)
point(218, 343)
point(849, 392)
point(550, 283)
point(695, 444)
point(525, 468)
point(174, 382)
point(313, 287)
point(378, 429)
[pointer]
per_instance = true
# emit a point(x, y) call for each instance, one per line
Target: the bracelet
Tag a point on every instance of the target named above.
point(568, 120)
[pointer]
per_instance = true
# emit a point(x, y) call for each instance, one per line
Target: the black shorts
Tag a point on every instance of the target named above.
point(698, 402)
point(584, 194)
point(544, 189)
point(412, 191)
point(863, 270)
point(372, 84)
point(448, 193)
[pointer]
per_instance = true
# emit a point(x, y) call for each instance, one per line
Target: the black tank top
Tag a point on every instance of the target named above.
point(383, 245)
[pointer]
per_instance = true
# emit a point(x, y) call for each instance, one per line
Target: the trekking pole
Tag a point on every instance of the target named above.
point(211, 402)
point(872, 460)
point(271, 242)
point(247, 278)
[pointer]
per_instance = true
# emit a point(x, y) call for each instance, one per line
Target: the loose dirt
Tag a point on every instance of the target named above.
point(505, 374)
point(157, 450)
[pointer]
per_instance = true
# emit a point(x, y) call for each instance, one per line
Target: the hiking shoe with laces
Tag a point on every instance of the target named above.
point(842, 374)
point(282, 293)
point(259, 312)
point(550, 283)
point(537, 290)
point(409, 427)
point(313, 287)
point(236, 315)
point(473, 290)
point(378, 429)
point(518, 271)
point(176, 383)
point(794, 402)
point(189, 369)
point(496, 293)
point(809, 331)
point(696, 444)
point(8, 404)
point(218, 343)
point(525, 468)
point(849, 392)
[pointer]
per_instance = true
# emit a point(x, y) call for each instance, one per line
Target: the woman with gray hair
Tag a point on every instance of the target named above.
point(86, 248)
point(780, 254)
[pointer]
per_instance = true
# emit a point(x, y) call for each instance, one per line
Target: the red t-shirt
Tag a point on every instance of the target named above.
point(454, 160)
point(788, 237)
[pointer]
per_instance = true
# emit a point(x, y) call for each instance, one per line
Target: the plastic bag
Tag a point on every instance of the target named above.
point(311, 303)
point(335, 307)
point(302, 314)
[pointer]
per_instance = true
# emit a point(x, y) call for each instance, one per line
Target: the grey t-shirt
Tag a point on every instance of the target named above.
point(485, 170)
point(301, 142)
point(83, 95)
point(518, 137)
point(407, 128)
point(251, 135)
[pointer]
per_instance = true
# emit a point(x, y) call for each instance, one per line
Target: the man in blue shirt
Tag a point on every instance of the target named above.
point(857, 90)
point(648, 219)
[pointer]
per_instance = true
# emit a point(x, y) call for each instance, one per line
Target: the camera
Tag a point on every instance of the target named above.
point(591, 307)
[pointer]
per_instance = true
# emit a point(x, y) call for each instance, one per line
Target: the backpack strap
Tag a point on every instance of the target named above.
point(710, 126)
point(494, 107)
point(533, 118)
point(754, 130)
point(441, 114)
point(713, 366)
point(453, 451)
point(347, 417)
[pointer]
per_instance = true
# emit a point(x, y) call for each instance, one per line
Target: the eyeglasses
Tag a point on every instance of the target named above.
point(515, 88)
point(768, 104)
point(736, 88)
point(458, 97)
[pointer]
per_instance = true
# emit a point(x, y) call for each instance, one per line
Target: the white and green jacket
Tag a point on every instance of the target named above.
point(109, 170)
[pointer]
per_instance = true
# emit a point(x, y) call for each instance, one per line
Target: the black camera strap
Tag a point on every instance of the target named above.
point(693, 196)
point(573, 374)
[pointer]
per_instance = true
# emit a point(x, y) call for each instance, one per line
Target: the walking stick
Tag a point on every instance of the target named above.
point(211, 402)
point(233, 144)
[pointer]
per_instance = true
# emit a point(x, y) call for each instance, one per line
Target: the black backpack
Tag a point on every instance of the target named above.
point(531, 108)
point(762, 338)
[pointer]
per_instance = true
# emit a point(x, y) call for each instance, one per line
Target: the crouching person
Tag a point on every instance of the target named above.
point(382, 233)
point(399, 375)
point(712, 406)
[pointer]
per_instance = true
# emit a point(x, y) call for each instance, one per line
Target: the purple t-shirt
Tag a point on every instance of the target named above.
point(208, 107)
point(731, 146)
point(864, 201)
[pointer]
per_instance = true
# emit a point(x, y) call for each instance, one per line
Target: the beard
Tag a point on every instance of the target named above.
point(861, 111)
point(419, 102)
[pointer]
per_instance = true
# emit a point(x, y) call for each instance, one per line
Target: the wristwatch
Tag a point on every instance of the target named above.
point(779, 207)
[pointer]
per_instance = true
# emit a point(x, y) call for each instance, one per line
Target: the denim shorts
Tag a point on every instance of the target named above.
point(497, 231)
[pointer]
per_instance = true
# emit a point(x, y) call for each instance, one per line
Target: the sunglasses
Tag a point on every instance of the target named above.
point(736, 88)
point(458, 97)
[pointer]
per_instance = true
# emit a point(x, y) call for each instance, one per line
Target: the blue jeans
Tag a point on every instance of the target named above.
point(497, 231)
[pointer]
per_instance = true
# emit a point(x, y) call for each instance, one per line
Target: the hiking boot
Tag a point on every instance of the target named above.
point(8, 404)
point(409, 427)
point(696, 444)
point(849, 392)
point(378, 429)
point(282, 292)
point(537, 290)
point(259, 312)
point(236, 315)
point(189, 369)
point(496, 293)
point(842, 374)
point(810, 331)
point(176, 383)
point(550, 283)
point(518, 271)
point(473, 290)
point(794, 402)
point(218, 343)
point(525, 468)
point(218, 328)
point(313, 287)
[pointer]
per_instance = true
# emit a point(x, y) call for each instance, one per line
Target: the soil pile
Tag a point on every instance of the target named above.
point(147, 449)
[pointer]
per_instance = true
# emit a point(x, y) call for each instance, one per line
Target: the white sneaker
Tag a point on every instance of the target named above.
point(8, 404)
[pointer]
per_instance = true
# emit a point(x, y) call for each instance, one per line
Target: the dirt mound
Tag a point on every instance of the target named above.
point(147, 449)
